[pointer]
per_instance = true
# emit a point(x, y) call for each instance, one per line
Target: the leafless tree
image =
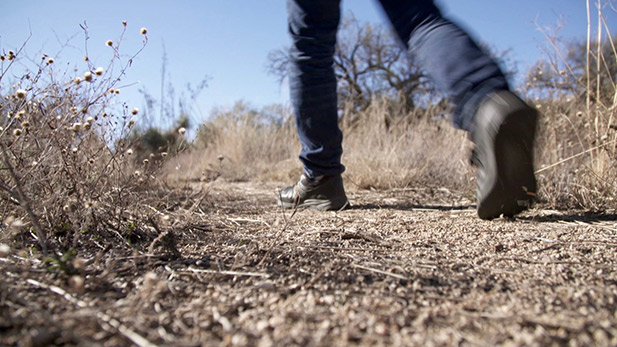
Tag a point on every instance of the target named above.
point(369, 62)
point(567, 70)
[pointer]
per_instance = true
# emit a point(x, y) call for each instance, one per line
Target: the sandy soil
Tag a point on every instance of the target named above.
point(401, 267)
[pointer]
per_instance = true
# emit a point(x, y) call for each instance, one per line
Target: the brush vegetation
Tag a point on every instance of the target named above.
point(75, 169)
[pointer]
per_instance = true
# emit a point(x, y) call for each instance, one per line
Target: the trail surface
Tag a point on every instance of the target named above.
point(401, 267)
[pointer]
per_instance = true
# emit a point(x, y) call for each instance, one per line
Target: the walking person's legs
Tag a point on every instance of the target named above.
point(453, 61)
point(501, 125)
point(313, 26)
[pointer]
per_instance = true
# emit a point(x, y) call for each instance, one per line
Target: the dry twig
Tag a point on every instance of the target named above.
point(108, 320)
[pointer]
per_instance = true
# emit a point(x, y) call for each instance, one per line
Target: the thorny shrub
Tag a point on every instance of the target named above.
point(67, 176)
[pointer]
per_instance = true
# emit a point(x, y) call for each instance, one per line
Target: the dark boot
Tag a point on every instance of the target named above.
point(503, 135)
point(319, 193)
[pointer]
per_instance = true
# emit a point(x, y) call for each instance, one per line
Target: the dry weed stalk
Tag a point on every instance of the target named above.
point(66, 170)
point(107, 322)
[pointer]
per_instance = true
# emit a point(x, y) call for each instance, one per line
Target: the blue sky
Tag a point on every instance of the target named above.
point(228, 40)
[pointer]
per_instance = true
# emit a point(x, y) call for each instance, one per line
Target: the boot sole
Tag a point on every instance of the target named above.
point(317, 204)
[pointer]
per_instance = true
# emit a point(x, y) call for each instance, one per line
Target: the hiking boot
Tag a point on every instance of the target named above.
point(319, 193)
point(503, 135)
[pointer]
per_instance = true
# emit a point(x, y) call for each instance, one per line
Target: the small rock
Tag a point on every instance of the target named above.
point(5, 250)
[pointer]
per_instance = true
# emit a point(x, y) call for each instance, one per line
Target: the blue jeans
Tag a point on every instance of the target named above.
point(453, 61)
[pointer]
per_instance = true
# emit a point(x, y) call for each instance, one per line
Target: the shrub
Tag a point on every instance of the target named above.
point(66, 175)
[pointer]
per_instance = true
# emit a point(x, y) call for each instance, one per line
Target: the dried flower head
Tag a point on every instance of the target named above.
point(74, 149)
point(129, 151)
point(17, 132)
point(20, 114)
point(182, 131)
point(146, 161)
point(134, 111)
point(86, 58)
point(76, 126)
point(143, 31)
point(124, 23)
point(163, 154)
point(20, 93)
point(87, 126)
point(25, 124)
point(50, 61)
point(109, 43)
point(77, 80)
point(89, 120)
point(99, 71)
point(88, 76)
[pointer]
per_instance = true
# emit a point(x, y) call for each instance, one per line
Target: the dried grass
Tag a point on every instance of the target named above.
point(384, 147)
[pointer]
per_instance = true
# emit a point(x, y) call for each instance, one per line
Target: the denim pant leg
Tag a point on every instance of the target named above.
point(313, 25)
point(453, 61)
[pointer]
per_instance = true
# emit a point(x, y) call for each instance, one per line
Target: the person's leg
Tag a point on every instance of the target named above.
point(501, 125)
point(453, 61)
point(313, 26)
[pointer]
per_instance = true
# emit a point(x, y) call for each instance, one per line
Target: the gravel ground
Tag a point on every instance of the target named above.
point(401, 267)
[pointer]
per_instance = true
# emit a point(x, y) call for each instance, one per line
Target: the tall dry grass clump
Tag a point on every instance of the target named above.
point(577, 162)
point(240, 144)
point(67, 177)
point(385, 146)
point(389, 146)
point(575, 89)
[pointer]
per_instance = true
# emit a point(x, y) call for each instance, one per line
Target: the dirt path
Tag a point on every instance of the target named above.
point(402, 267)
